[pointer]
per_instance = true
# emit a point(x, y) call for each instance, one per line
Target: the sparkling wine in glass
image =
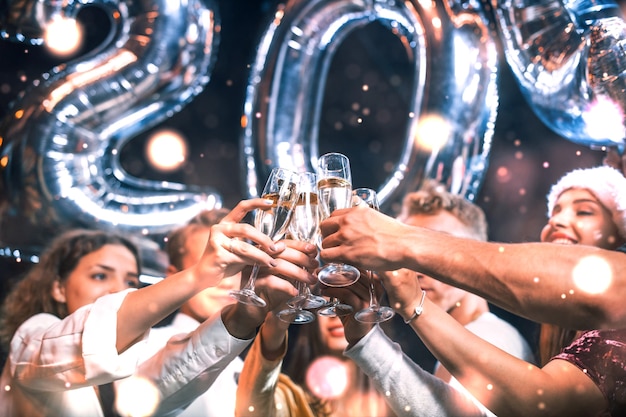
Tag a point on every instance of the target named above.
point(334, 184)
point(375, 313)
point(281, 188)
point(304, 226)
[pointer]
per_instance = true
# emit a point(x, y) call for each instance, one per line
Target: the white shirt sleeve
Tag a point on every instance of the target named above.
point(49, 354)
point(408, 389)
point(189, 364)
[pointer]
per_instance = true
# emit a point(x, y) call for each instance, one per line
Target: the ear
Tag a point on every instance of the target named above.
point(58, 292)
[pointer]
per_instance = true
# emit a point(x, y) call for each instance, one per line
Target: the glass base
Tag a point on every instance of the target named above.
point(249, 297)
point(374, 315)
point(338, 275)
point(306, 302)
point(296, 316)
point(335, 310)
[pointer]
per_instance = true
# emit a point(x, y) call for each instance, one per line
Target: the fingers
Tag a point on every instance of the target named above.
point(240, 211)
point(241, 232)
point(304, 247)
point(357, 294)
point(299, 253)
point(289, 271)
point(275, 291)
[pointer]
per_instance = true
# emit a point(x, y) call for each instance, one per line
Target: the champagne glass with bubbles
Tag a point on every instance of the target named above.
point(304, 226)
point(334, 183)
point(281, 188)
point(375, 313)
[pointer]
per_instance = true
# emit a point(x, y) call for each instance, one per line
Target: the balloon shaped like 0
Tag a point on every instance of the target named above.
point(61, 143)
point(569, 60)
point(454, 57)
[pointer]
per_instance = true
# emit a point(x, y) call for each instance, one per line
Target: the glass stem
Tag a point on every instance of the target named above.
point(373, 300)
point(252, 279)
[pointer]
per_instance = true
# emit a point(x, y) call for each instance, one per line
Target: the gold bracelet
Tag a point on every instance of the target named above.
point(418, 310)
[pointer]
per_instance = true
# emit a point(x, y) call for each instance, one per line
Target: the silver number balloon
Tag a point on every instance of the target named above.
point(454, 56)
point(61, 142)
point(568, 57)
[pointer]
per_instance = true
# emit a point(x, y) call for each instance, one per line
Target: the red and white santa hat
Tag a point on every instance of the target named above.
point(607, 184)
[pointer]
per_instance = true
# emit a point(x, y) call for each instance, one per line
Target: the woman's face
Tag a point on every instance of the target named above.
point(110, 269)
point(578, 217)
point(332, 333)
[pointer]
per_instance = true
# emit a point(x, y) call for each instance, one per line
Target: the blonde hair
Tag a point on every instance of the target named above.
point(175, 245)
point(432, 198)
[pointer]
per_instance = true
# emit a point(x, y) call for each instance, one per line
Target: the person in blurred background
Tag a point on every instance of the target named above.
point(434, 208)
point(72, 327)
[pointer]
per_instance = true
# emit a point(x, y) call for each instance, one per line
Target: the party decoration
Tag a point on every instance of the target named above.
point(60, 144)
point(454, 56)
point(569, 60)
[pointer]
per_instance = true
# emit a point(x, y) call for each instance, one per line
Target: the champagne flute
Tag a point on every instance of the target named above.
point(304, 226)
point(375, 313)
point(334, 183)
point(281, 188)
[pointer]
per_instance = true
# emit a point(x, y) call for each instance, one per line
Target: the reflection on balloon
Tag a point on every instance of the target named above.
point(60, 144)
point(568, 58)
point(285, 91)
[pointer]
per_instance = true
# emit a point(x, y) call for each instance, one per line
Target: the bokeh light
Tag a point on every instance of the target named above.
point(63, 36)
point(604, 119)
point(327, 377)
point(592, 275)
point(167, 150)
point(433, 132)
point(136, 397)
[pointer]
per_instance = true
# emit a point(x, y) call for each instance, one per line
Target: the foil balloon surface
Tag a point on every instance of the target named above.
point(454, 59)
point(61, 142)
point(568, 57)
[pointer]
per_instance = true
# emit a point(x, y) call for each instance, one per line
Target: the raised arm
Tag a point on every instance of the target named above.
point(189, 364)
point(223, 256)
point(409, 389)
point(539, 281)
point(503, 383)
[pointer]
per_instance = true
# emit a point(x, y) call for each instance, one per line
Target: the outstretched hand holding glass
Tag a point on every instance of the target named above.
point(281, 188)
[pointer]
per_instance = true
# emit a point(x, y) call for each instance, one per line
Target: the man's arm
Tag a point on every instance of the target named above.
point(572, 286)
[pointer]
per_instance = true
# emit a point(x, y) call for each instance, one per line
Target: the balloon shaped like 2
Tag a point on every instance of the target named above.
point(453, 105)
point(60, 144)
point(568, 58)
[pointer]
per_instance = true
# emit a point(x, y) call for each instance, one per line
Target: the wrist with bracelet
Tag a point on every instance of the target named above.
point(418, 310)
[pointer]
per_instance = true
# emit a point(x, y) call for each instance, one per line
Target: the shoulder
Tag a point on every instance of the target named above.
point(501, 334)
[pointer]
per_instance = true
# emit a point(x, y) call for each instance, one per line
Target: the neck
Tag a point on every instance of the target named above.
point(469, 308)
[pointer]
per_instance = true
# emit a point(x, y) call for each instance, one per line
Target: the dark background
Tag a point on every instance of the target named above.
point(526, 156)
